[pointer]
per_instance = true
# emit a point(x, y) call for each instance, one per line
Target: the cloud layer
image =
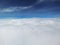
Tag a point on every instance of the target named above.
point(30, 31)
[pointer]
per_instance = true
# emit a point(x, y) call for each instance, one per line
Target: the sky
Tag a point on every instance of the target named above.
point(29, 22)
point(29, 8)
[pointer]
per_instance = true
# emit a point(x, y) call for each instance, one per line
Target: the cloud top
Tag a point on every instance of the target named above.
point(30, 31)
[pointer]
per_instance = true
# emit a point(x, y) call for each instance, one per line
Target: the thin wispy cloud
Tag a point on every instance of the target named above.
point(13, 9)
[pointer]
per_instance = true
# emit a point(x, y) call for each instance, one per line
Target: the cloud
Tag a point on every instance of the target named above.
point(13, 9)
point(48, 0)
point(7, 10)
point(41, 1)
point(30, 31)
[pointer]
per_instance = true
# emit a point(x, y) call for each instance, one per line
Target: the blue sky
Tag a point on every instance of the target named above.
point(30, 8)
point(44, 14)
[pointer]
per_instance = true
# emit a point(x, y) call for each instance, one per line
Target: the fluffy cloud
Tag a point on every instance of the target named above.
point(30, 31)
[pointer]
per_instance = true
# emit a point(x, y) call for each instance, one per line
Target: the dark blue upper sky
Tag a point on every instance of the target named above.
point(29, 8)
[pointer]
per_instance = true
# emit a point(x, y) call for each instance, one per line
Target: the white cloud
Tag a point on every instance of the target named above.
point(40, 1)
point(7, 10)
point(12, 9)
point(30, 31)
point(47, 0)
